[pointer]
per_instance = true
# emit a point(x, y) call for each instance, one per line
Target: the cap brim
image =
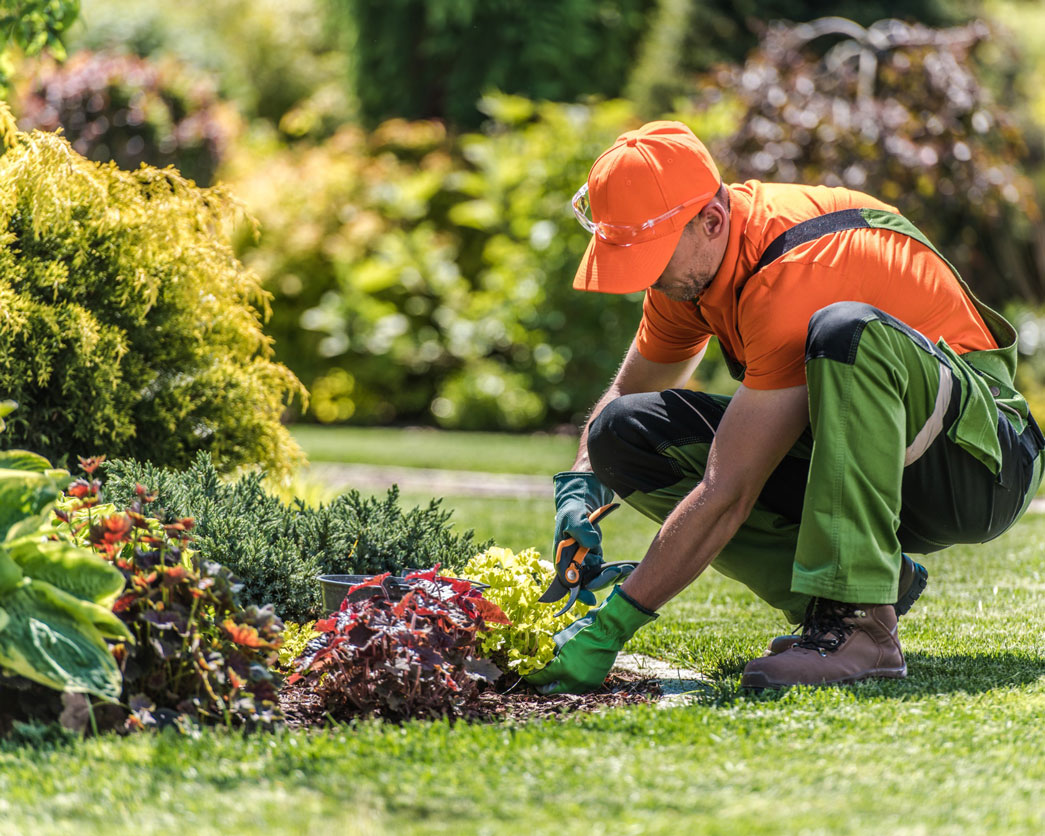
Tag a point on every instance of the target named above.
point(610, 268)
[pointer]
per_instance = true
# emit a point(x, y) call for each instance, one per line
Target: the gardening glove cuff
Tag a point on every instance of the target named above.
point(577, 494)
point(587, 649)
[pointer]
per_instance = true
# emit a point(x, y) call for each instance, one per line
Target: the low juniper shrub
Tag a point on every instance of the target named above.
point(399, 659)
point(277, 550)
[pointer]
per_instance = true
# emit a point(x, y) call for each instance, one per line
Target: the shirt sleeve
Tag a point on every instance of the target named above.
point(670, 331)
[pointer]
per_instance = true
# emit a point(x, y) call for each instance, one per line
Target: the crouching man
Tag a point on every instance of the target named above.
point(876, 415)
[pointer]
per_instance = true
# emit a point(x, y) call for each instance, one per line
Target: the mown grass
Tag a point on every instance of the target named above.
point(422, 447)
point(955, 748)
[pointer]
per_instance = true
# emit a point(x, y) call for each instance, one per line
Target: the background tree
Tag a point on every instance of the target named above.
point(33, 26)
point(900, 111)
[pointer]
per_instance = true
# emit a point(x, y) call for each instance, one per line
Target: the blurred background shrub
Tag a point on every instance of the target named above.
point(429, 278)
point(278, 61)
point(902, 112)
point(114, 106)
point(30, 27)
point(411, 163)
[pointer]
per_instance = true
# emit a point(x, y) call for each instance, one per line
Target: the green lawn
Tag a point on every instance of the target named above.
point(420, 447)
point(955, 748)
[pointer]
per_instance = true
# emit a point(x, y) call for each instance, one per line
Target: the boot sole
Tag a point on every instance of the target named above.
point(914, 591)
point(758, 681)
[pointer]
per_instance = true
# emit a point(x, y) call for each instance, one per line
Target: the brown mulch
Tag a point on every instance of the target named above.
point(302, 708)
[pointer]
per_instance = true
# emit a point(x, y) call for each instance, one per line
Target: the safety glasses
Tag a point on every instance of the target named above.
point(624, 235)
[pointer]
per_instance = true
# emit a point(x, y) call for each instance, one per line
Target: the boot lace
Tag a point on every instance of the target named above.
point(826, 625)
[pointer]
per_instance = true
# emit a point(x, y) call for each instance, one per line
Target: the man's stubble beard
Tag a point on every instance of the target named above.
point(692, 289)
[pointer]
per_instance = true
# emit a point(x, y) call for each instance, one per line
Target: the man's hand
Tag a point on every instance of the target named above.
point(588, 648)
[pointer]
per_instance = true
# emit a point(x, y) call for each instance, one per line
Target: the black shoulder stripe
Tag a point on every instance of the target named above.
point(810, 230)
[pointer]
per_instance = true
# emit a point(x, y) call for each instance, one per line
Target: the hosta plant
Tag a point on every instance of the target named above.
point(397, 659)
point(55, 596)
point(515, 583)
point(198, 654)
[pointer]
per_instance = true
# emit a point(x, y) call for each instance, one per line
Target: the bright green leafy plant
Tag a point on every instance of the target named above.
point(515, 582)
point(55, 597)
point(296, 635)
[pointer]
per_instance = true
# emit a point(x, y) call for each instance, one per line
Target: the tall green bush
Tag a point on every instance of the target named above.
point(127, 326)
point(422, 59)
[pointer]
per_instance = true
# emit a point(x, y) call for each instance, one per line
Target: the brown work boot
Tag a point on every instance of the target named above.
point(840, 643)
point(913, 578)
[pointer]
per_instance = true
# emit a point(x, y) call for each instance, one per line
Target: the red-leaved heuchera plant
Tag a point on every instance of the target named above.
point(397, 659)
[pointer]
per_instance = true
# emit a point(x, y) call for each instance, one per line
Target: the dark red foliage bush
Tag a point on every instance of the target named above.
point(399, 659)
point(131, 110)
point(902, 112)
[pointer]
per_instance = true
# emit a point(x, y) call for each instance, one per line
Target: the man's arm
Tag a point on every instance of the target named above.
point(636, 374)
point(755, 433)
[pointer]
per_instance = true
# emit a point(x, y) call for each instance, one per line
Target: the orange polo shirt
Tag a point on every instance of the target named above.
point(765, 328)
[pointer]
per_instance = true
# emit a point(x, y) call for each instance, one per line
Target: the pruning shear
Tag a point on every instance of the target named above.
point(569, 559)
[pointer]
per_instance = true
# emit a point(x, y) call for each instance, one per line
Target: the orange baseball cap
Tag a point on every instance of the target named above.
point(642, 192)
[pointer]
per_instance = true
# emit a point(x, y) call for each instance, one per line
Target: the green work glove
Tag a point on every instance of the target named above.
point(588, 648)
point(577, 494)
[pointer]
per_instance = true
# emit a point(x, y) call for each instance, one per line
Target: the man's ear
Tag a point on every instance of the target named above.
point(713, 219)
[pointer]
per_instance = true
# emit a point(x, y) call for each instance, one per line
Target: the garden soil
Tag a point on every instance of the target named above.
point(517, 701)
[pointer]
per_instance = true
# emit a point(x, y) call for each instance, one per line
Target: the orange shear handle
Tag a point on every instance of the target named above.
point(572, 573)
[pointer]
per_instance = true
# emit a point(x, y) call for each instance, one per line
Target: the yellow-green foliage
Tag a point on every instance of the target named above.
point(295, 637)
point(127, 326)
point(516, 582)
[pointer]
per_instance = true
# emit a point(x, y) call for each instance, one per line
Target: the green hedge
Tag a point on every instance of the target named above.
point(127, 326)
point(421, 59)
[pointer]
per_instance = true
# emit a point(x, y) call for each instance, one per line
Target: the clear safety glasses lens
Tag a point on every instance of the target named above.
point(624, 235)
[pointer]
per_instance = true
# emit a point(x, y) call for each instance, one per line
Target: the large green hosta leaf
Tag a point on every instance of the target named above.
point(10, 573)
point(69, 567)
point(53, 638)
point(24, 460)
point(24, 494)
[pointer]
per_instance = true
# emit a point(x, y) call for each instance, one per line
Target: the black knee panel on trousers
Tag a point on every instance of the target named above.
point(834, 331)
point(626, 439)
point(630, 440)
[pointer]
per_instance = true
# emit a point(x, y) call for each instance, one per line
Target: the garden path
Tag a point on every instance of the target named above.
point(455, 482)
point(438, 482)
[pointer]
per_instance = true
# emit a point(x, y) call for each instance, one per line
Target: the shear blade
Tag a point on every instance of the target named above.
point(574, 592)
point(555, 591)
